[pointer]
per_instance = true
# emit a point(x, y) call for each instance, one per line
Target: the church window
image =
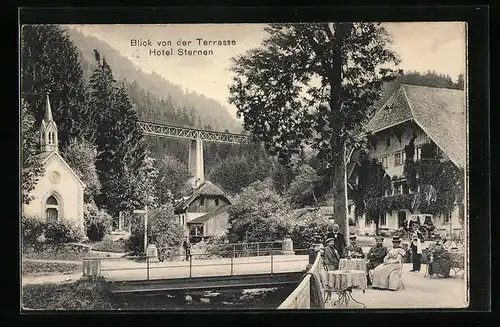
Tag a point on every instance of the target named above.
point(52, 209)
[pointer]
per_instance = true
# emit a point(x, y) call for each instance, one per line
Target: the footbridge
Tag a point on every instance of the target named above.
point(248, 265)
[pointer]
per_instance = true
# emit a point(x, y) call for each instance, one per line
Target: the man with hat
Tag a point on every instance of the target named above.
point(338, 239)
point(416, 252)
point(353, 251)
point(375, 256)
point(331, 255)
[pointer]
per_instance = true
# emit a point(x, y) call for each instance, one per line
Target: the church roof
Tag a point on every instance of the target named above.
point(207, 188)
point(440, 112)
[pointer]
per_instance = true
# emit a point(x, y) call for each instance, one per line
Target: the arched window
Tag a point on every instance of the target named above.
point(52, 209)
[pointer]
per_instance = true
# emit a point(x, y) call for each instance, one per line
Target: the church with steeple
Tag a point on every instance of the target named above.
point(58, 194)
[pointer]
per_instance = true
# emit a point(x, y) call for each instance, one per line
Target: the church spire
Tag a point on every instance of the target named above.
point(48, 110)
point(48, 132)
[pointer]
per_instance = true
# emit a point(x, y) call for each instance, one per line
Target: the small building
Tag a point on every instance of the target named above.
point(58, 194)
point(204, 212)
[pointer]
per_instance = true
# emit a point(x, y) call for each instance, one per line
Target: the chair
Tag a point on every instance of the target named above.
point(400, 275)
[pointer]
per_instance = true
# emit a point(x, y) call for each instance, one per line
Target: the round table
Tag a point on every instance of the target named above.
point(343, 282)
point(352, 264)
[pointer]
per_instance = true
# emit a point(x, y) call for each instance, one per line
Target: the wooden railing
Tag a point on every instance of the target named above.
point(301, 297)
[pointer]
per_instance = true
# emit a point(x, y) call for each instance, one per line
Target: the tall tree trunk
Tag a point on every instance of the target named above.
point(335, 79)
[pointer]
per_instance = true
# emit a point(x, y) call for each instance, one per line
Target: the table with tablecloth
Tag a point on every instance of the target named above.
point(342, 282)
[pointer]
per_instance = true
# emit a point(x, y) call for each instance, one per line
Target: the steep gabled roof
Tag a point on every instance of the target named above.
point(205, 189)
point(202, 219)
point(440, 112)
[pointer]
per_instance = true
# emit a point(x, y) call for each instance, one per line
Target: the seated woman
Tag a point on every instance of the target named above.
point(440, 263)
point(388, 274)
point(331, 255)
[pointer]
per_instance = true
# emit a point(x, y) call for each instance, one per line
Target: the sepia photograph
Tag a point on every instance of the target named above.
point(244, 166)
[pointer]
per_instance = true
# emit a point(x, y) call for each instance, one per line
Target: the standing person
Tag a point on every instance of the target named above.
point(339, 240)
point(187, 247)
point(375, 256)
point(416, 253)
point(331, 255)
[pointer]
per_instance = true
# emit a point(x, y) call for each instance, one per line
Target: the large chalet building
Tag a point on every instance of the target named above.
point(429, 115)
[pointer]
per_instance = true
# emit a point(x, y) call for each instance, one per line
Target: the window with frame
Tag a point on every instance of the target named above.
point(387, 141)
point(447, 218)
point(216, 202)
point(398, 159)
point(383, 219)
point(418, 153)
point(384, 161)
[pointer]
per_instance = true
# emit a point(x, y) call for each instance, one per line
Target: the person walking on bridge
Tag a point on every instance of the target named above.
point(187, 247)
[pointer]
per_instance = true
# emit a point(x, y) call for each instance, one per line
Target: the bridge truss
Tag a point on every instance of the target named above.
point(151, 128)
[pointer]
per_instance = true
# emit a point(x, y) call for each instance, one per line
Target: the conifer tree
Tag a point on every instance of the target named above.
point(50, 64)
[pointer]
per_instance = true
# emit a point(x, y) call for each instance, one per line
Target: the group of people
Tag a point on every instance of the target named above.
point(385, 264)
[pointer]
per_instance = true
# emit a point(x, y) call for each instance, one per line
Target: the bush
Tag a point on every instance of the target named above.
point(32, 229)
point(164, 230)
point(97, 222)
point(61, 232)
point(54, 232)
point(118, 246)
point(257, 215)
point(312, 228)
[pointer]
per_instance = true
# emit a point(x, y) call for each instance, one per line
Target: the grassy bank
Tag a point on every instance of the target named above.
point(107, 245)
point(74, 296)
point(29, 268)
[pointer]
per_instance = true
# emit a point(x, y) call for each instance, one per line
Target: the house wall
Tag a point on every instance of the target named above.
point(382, 150)
point(217, 224)
point(192, 215)
point(67, 190)
point(207, 204)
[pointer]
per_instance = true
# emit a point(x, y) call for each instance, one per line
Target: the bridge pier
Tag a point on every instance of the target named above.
point(195, 163)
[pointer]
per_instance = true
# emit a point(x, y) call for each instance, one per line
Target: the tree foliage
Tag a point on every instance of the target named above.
point(164, 230)
point(81, 155)
point(122, 165)
point(171, 183)
point(31, 168)
point(312, 83)
point(50, 64)
point(258, 215)
point(302, 191)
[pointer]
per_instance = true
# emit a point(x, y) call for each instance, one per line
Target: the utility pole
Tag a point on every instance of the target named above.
point(145, 212)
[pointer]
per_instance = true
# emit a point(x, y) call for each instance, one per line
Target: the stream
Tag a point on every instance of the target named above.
point(261, 298)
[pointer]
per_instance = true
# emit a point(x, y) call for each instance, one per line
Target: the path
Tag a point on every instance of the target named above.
point(419, 292)
point(72, 262)
point(130, 270)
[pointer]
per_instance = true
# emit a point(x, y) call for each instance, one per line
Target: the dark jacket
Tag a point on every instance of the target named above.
point(339, 242)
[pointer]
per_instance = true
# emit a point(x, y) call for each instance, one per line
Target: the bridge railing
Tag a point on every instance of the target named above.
point(148, 268)
point(302, 296)
point(235, 250)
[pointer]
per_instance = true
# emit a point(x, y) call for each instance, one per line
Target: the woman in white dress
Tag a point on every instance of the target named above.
point(388, 274)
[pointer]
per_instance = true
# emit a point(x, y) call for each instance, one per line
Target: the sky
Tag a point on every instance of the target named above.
point(421, 46)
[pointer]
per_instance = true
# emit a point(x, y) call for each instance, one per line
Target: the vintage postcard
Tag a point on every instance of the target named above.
point(244, 166)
